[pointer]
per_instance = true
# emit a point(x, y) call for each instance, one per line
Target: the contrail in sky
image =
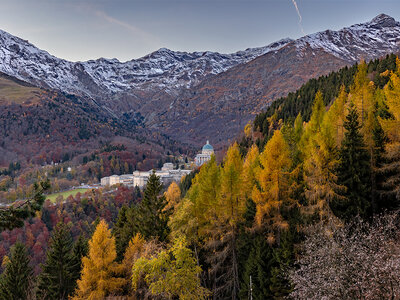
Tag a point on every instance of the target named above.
point(299, 14)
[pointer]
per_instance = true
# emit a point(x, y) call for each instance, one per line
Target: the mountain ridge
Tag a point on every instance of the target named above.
point(200, 95)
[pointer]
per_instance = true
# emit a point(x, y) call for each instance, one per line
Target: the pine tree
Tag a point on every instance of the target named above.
point(15, 282)
point(99, 272)
point(57, 280)
point(354, 171)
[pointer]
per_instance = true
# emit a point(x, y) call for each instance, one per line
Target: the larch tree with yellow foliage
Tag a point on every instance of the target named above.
point(320, 162)
point(223, 231)
point(173, 196)
point(139, 248)
point(273, 188)
point(99, 277)
point(251, 166)
point(391, 126)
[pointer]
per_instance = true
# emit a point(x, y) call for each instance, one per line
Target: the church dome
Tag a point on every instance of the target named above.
point(208, 147)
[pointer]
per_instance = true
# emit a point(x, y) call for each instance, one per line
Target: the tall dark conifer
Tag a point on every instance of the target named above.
point(57, 280)
point(121, 233)
point(149, 218)
point(15, 282)
point(81, 249)
point(354, 171)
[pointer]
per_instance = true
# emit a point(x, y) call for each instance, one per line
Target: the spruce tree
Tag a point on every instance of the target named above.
point(150, 219)
point(80, 250)
point(120, 232)
point(354, 171)
point(57, 280)
point(256, 277)
point(15, 282)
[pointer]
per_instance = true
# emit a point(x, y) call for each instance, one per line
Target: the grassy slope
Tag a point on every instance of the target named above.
point(15, 91)
point(53, 197)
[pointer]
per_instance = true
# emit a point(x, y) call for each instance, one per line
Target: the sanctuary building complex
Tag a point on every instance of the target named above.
point(167, 173)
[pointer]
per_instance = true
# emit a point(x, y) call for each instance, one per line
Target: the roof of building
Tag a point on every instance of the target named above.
point(207, 146)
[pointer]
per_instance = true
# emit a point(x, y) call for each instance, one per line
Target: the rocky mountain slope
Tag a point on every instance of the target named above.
point(162, 69)
point(194, 96)
point(40, 126)
point(221, 105)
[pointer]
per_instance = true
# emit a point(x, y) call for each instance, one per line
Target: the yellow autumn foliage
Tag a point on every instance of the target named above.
point(98, 277)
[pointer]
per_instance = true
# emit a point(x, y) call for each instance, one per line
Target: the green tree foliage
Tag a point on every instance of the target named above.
point(354, 171)
point(121, 234)
point(16, 280)
point(174, 273)
point(150, 219)
point(301, 101)
point(14, 215)
point(80, 250)
point(58, 277)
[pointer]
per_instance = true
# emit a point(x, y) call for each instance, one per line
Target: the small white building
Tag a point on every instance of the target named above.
point(205, 154)
point(167, 167)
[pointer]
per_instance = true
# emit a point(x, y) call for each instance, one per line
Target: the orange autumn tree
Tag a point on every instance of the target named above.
point(98, 277)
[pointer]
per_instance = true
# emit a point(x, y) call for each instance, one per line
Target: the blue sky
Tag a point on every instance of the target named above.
point(127, 29)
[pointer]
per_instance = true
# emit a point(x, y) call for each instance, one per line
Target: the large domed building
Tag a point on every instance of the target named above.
point(205, 154)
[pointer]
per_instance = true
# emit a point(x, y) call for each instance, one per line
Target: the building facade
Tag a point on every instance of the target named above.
point(167, 174)
point(205, 155)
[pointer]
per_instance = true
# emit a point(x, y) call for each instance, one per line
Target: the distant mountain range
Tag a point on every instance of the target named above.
point(202, 95)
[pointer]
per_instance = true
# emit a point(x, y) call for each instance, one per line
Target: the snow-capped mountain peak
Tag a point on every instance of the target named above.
point(167, 70)
point(161, 69)
point(361, 41)
point(384, 20)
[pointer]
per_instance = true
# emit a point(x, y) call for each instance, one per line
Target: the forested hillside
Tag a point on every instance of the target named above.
point(287, 108)
point(312, 214)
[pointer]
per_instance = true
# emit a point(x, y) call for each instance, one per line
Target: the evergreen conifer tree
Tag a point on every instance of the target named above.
point(150, 219)
point(121, 232)
point(15, 282)
point(80, 250)
point(57, 280)
point(354, 171)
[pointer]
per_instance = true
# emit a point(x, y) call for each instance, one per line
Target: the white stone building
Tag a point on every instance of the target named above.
point(167, 174)
point(205, 154)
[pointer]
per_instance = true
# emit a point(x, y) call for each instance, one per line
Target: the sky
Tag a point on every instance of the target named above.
point(129, 29)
